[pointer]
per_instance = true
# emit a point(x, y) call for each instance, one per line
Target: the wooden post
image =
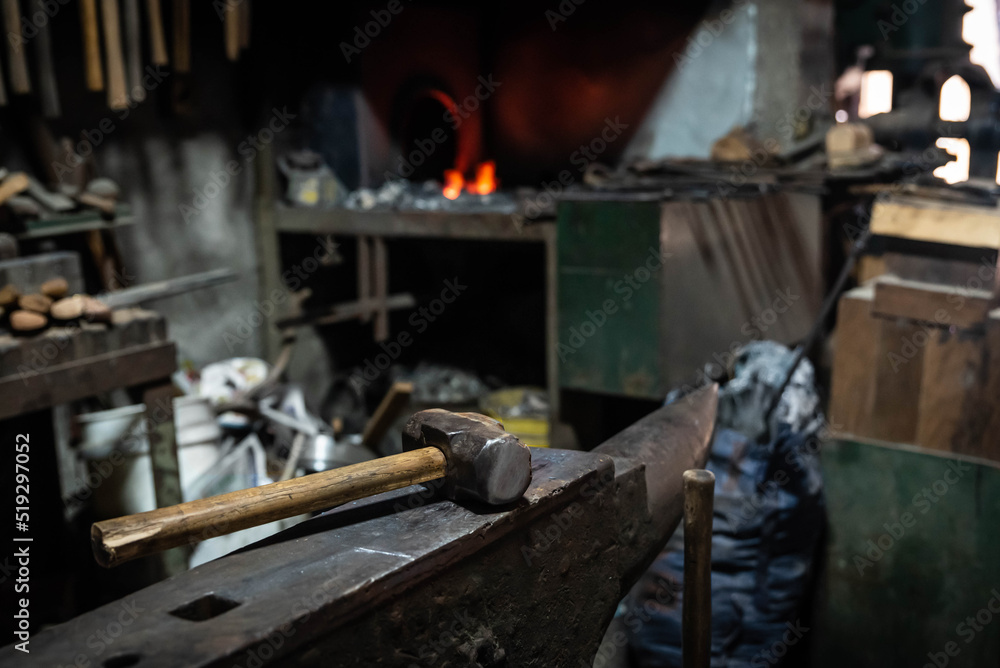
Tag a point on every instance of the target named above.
point(159, 401)
point(699, 494)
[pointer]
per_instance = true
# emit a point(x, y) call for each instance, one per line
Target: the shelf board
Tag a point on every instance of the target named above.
point(70, 223)
point(451, 224)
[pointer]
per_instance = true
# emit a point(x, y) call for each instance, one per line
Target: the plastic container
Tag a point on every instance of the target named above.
point(115, 445)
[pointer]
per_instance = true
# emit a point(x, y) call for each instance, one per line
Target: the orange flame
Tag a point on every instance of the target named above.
point(486, 178)
point(453, 183)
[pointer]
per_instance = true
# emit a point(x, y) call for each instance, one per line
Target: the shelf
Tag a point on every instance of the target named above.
point(76, 222)
point(447, 224)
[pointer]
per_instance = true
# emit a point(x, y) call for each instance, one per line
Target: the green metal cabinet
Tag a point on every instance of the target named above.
point(912, 551)
point(608, 317)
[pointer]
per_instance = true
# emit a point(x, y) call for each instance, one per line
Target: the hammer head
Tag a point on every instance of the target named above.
point(485, 463)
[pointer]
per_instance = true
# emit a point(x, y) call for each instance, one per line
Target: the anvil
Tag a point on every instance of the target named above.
point(408, 578)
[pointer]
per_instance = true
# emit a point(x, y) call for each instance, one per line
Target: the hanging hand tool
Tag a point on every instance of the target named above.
point(20, 83)
point(115, 60)
point(157, 38)
point(91, 45)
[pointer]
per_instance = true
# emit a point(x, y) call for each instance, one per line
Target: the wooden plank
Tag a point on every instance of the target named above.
point(389, 224)
point(347, 311)
point(852, 387)
point(870, 267)
point(898, 369)
point(942, 270)
point(930, 220)
point(949, 391)
point(931, 302)
point(61, 345)
point(84, 378)
point(388, 409)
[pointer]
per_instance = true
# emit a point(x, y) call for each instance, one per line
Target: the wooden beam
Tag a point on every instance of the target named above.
point(934, 303)
point(950, 387)
point(852, 387)
point(388, 409)
point(84, 378)
point(931, 220)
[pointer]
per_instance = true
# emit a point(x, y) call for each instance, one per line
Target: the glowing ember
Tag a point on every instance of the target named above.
point(486, 179)
point(453, 183)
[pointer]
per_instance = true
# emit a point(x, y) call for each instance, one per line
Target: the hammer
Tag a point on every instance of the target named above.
point(471, 454)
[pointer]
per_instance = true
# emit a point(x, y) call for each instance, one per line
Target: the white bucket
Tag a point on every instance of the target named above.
point(116, 447)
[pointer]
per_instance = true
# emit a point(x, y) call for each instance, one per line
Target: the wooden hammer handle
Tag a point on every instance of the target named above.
point(117, 87)
point(157, 38)
point(91, 45)
point(17, 59)
point(119, 540)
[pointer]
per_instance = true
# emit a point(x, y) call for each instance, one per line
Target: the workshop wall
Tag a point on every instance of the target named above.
point(157, 172)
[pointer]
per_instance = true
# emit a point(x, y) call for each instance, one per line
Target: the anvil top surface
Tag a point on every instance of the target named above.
point(315, 576)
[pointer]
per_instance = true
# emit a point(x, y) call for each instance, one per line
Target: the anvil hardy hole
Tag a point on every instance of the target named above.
point(122, 661)
point(203, 608)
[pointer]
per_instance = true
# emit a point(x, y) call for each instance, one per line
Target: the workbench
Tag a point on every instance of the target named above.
point(67, 364)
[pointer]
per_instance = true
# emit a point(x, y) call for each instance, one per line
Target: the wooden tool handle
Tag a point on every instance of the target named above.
point(91, 45)
point(117, 88)
point(157, 38)
point(699, 495)
point(232, 30)
point(18, 61)
point(119, 540)
point(182, 36)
